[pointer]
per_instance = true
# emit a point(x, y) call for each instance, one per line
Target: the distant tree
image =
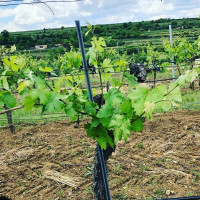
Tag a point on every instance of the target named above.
point(98, 29)
point(125, 25)
point(62, 27)
point(184, 23)
point(174, 23)
point(5, 33)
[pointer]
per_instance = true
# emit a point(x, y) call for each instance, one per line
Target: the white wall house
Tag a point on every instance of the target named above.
point(39, 47)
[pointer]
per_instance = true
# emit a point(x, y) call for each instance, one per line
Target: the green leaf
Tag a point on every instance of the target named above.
point(117, 135)
point(126, 108)
point(132, 80)
point(90, 107)
point(46, 69)
point(174, 93)
point(44, 96)
point(137, 125)
point(23, 85)
point(105, 139)
point(28, 103)
point(138, 97)
point(9, 100)
point(38, 80)
point(106, 77)
point(69, 110)
point(14, 67)
point(4, 83)
point(107, 65)
point(105, 111)
point(57, 86)
point(121, 126)
point(157, 94)
point(95, 122)
point(54, 104)
point(12, 48)
point(164, 105)
point(114, 97)
point(192, 76)
point(100, 133)
point(115, 82)
point(148, 109)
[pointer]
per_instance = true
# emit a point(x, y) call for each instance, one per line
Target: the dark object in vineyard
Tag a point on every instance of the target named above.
point(98, 182)
point(155, 69)
point(139, 71)
point(91, 69)
point(4, 198)
point(10, 121)
point(97, 99)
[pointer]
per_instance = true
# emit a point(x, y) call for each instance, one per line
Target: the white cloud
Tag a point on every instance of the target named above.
point(12, 27)
point(88, 2)
point(28, 17)
point(6, 12)
point(193, 12)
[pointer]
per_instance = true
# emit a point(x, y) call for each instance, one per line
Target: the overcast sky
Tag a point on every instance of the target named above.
point(39, 16)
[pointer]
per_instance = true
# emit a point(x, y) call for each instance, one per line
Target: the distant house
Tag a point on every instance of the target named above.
point(58, 45)
point(40, 47)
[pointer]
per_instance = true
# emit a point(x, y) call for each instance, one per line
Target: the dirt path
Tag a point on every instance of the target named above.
point(54, 161)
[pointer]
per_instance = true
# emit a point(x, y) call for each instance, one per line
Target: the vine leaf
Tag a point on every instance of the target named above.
point(121, 126)
point(54, 103)
point(174, 93)
point(8, 99)
point(114, 97)
point(100, 133)
point(69, 110)
point(157, 94)
point(148, 109)
point(138, 97)
point(137, 125)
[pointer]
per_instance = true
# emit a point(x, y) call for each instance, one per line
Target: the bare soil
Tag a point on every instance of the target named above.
point(54, 161)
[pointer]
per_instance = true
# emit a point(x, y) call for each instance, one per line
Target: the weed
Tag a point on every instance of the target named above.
point(148, 198)
point(73, 153)
point(122, 196)
point(22, 184)
point(160, 191)
point(190, 194)
point(37, 143)
point(140, 145)
point(39, 173)
point(26, 191)
point(144, 167)
point(60, 192)
point(53, 155)
point(160, 161)
point(197, 176)
point(117, 168)
point(89, 190)
point(89, 170)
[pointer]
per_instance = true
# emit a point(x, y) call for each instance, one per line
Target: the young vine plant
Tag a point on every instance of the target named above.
point(121, 112)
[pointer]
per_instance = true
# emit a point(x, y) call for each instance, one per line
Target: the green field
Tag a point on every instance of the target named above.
point(129, 36)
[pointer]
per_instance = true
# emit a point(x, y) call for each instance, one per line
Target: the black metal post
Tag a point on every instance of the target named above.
point(101, 157)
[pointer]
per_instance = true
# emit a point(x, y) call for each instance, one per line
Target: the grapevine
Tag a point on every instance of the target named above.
point(119, 114)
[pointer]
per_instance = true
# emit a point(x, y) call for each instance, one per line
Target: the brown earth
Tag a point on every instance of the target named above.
point(53, 161)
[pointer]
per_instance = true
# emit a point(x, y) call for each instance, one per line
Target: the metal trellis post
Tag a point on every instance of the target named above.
point(171, 42)
point(101, 157)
